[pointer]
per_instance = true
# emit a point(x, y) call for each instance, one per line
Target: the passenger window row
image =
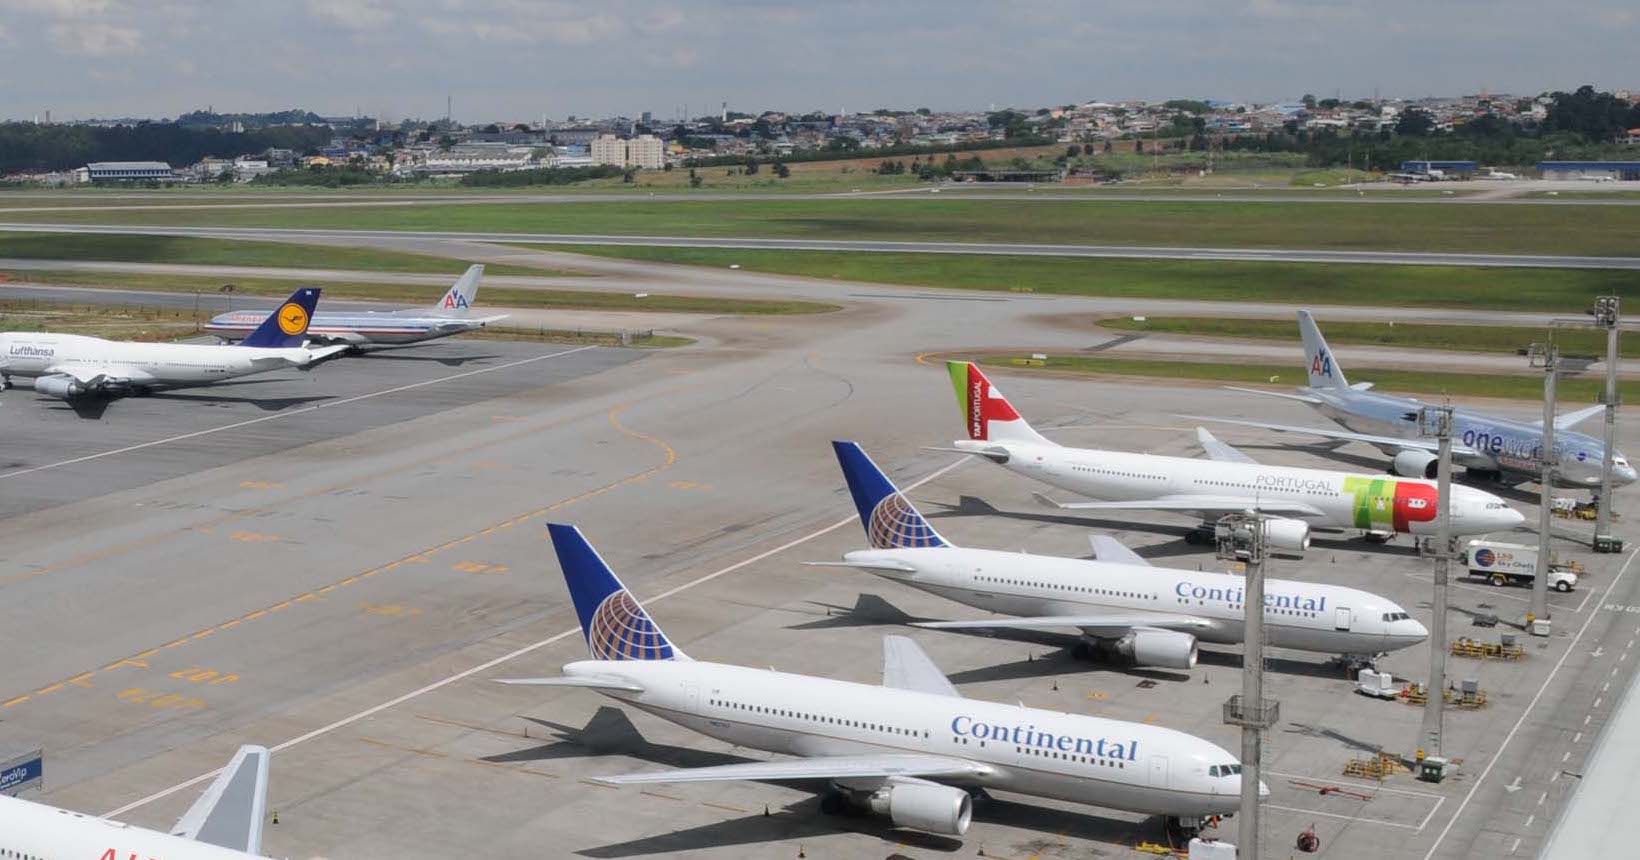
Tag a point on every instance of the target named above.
point(823, 719)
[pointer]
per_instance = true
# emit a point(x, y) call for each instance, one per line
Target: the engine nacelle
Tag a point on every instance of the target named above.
point(59, 386)
point(925, 806)
point(1163, 649)
point(1288, 534)
point(1415, 464)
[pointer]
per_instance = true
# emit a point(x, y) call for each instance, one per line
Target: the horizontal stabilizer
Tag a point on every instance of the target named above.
point(885, 564)
point(829, 767)
point(1301, 398)
point(994, 454)
point(1107, 548)
point(1393, 442)
point(591, 682)
point(908, 667)
point(1568, 420)
point(1361, 386)
point(1221, 451)
point(229, 813)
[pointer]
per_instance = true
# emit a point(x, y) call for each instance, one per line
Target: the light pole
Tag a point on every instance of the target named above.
point(1240, 537)
point(1606, 314)
point(1546, 461)
point(1440, 418)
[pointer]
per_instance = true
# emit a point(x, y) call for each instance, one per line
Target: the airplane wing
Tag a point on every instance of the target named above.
point(1109, 626)
point(1192, 504)
point(1569, 420)
point(906, 667)
point(1301, 398)
point(1362, 386)
point(1107, 548)
point(1221, 451)
point(230, 812)
point(591, 682)
point(828, 767)
point(1458, 448)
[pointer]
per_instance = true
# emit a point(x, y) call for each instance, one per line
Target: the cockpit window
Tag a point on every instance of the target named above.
point(1224, 770)
point(1396, 616)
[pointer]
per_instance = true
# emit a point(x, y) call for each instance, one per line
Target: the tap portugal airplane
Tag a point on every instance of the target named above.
point(1152, 616)
point(224, 824)
point(71, 365)
point(450, 315)
point(1227, 482)
point(907, 749)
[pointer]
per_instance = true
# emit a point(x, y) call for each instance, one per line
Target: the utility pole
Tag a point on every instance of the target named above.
point(1240, 537)
point(1546, 460)
point(1606, 313)
point(1430, 740)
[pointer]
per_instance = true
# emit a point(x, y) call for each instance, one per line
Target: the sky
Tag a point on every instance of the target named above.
point(517, 60)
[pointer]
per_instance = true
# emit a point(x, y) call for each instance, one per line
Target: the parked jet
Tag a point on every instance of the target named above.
point(72, 365)
point(376, 328)
point(907, 749)
point(1228, 482)
point(1488, 446)
point(1119, 603)
point(224, 824)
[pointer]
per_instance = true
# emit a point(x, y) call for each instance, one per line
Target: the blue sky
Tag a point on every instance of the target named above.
point(519, 60)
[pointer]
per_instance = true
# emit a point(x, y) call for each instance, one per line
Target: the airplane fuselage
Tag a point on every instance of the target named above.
point(1305, 616)
point(1100, 762)
point(29, 829)
point(148, 365)
point(357, 327)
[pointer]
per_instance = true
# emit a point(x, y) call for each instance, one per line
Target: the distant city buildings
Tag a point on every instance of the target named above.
point(645, 151)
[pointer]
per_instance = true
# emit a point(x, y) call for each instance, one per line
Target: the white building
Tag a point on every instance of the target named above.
point(645, 151)
point(120, 171)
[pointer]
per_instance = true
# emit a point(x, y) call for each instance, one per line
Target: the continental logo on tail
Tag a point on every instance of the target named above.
point(895, 524)
point(293, 319)
point(621, 630)
point(975, 394)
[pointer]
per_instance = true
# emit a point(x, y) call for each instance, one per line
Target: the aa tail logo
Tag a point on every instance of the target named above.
point(1322, 365)
point(454, 301)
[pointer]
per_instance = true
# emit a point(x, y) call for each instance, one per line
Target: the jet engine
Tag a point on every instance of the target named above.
point(1415, 464)
point(1288, 534)
point(925, 806)
point(59, 386)
point(1163, 649)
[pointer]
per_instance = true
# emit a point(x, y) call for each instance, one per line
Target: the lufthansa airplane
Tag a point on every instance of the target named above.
point(909, 749)
point(224, 824)
point(379, 328)
point(1489, 446)
point(1228, 482)
point(1119, 604)
point(72, 365)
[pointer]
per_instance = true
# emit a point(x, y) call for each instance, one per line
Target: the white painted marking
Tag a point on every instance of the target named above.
point(1513, 786)
point(1542, 797)
point(1557, 773)
point(1606, 686)
point(536, 646)
point(1515, 729)
point(1587, 718)
point(288, 413)
point(1355, 818)
point(1577, 738)
point(1565, 756)
point(1530, 819)
point(1597, 703)
point(1515, 847)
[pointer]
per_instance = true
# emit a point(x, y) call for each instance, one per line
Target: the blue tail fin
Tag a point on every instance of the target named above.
point(616, 627)
point(288, 325)
point(890, 519)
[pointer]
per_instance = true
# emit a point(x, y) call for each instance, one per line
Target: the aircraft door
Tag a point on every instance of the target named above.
point(1341, 618)
point(1158, 771)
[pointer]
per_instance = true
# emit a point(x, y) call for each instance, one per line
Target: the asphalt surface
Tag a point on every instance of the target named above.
point(1397, 258)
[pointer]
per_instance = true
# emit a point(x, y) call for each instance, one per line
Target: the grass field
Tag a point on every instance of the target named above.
point(233, 252)
point(1559, 290)
point(1571, 392)
point(1586, 230)
point(1464, 338)
point(411, 295)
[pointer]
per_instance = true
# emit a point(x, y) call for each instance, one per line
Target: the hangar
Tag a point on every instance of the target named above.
point(1624, 171)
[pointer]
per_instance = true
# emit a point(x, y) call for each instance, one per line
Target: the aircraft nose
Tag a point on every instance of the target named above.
point(1625, 474)
point(1510, 518)
point(1415, 629)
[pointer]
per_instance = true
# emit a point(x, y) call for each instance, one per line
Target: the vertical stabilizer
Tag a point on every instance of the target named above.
point(615, 625)
point(463, 293)
point(1323, 369)
point(288, 324)
point(890, 520)
point(989, 415)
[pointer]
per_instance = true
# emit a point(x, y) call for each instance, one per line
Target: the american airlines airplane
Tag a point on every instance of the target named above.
point(907, 749)
point(1119, 603)
point(1227, 482)
point(70, 366)
point(378, 328)
point(1488, 446)
point(224, 824)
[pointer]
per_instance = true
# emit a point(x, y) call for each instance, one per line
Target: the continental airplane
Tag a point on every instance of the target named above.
point(378, 328)
point(70, 366)
point(224, 824)
point(908, 749)
point(1227, 482)
point(1488, 446)
point(1119, 603)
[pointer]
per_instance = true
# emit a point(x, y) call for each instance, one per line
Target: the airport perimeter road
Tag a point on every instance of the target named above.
point(1405, 258)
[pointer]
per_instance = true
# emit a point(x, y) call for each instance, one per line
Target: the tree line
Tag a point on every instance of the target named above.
point(27, 146)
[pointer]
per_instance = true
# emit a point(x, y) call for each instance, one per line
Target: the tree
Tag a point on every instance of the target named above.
point(1309, 101)
point(1187, 105)
point(694, 181)
point(924, 112)
point(781, 170)
point(1107, 144)
point(492, 128)
point(1087, 149)
point(1139, 146)
point(1072, 151)
point(751, 165)
point(842, 143)
point(1414, 122)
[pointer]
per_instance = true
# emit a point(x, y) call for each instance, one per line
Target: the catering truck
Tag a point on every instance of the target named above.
point(1512, 564)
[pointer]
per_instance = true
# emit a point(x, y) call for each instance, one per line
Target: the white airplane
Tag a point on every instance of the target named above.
point(225, 823)
point(378, 328)
point(1119, 603)
point(71, 365)
point(1228, 482)
point(907, 749)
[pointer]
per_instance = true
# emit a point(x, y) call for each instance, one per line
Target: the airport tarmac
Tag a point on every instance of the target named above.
point(349, 598)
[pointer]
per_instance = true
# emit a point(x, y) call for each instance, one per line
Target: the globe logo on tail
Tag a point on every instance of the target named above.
point(620, 630)
point(895, 524)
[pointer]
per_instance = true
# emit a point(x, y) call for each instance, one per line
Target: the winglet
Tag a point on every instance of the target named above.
point(287, 326)
point(890, 520)
point(989, 415)
point(463, 293)
point(1324, 371)
point(230, 812)
point(615, 625)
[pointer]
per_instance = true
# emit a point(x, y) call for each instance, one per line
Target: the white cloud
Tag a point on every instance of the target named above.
point(352, 14)
point(61, 8)
point(95, 39)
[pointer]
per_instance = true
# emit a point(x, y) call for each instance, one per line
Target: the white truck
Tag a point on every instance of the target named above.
point(1512, 564)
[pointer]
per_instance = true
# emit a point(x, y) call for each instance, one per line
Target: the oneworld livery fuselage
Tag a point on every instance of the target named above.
point(1227, 482)
point(72, 365)
point(1150, 615)
point(450, 315)
point(1488, 446)
point(906, 749)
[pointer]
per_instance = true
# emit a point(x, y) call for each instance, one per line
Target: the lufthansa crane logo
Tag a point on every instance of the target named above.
point(293, 319)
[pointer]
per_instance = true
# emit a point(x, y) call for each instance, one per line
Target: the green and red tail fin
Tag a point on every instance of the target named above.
point(989, 415)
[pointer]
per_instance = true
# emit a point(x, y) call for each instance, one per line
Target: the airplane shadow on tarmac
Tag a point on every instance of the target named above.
point(389, 354)
point(93, 408)
point(610, 733)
